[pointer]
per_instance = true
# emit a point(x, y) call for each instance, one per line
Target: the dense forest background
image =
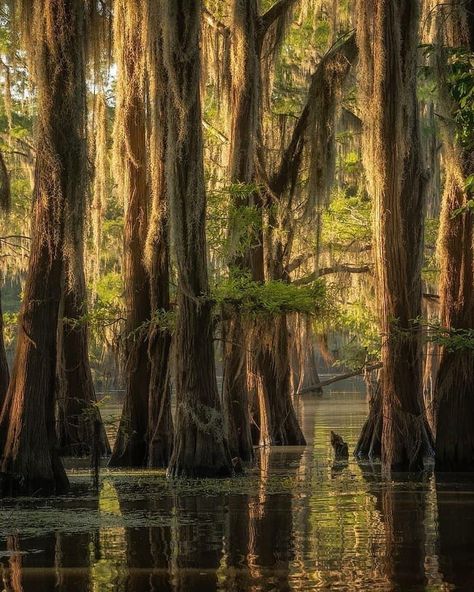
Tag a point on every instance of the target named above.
point(262, 185)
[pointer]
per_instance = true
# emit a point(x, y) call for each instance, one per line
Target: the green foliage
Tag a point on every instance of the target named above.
point(271, 298)
point(109, 288)
point(430, 271)
point(461, 88)
point(347, 220)
point(452, 340)
point(233, 229)
point(360, 322)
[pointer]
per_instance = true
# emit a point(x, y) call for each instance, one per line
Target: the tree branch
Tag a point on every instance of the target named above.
point(277, 11)
point(338, 378)
point(291, 159)
point(331, 270)
point(214, 22)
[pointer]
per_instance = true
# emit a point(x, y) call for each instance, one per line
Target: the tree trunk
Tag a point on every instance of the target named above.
point(4, 370)
point(77, 411)
point(160, 421)
point(131, 445)
point(369, 443)
point(31, 463)
point(455, 380)
point(200, 448)
point(245, 114)
point(235, 398)
point(387, 33)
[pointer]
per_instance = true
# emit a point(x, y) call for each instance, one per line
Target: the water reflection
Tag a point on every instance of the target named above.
point(455, 504)
point(402, 504)
point(296, 522)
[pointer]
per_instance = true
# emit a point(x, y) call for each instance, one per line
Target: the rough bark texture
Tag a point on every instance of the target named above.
point(369, 443)
point(245, 106)
point(387, 33)
point(160, 421)
point(200, 448)
point(4, 370)
point(454, 390)
point(235, 396)
point(131, 446)
point(30, 462)
point(77, 411)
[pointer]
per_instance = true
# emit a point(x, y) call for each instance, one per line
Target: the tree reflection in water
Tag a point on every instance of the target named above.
point(294, 522)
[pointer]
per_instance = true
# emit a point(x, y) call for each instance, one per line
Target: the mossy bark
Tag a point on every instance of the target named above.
point(200, 447)
point(30, 461)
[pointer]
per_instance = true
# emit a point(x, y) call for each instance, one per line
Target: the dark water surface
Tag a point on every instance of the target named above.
point(295, 522)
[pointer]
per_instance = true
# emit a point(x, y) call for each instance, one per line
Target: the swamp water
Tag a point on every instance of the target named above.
point(295, 522)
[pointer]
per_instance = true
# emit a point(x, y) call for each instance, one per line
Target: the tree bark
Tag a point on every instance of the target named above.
point(369, 443)
point(30, 462)
point(200, 448)
point(4, 369)
point(387, 34)
point(245, 122)
point(131, 445)
point(235, 397)
point(77, 411)
point(454, 390)
point(160, 421)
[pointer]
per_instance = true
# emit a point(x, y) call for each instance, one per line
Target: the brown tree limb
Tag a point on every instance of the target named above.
point(214, 22)
point(338, 378)
point(345, 268)
point(275, 12)
point(291, 159)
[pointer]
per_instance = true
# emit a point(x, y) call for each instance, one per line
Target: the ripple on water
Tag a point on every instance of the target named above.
point(297, 521)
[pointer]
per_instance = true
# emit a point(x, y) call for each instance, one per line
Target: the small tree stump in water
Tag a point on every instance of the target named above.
point(341, 450)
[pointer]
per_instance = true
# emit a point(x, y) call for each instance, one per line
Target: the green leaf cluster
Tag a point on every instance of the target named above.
point(271, 298)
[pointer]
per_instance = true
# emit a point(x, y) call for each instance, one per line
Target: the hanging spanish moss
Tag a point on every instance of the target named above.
point(54, 37)
point(131, 172)
point(324, 99)
point(387, 35)
point(454, 388)
point(160, 423)
point(101, 179)
point(200, 448)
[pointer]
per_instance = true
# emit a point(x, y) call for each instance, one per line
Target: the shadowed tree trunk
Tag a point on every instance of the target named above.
point(245, 120)
point(455, 520)
point(249, 30)
point(4, 370)
point(235, 395)
point(454, 390)
point(387, 35)
point(160, 422)
point(369, 443)
point(274, 362)
point(200, 448)
point(131, 446)
point(30, 462)
point(77, 411)
point(404, 520)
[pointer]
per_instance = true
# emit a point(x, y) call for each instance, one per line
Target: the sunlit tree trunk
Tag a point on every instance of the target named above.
point(454, 390)
point(160, 422)
point(55, 41)
point(200, 448)
point(131, 445)
point(387, 35)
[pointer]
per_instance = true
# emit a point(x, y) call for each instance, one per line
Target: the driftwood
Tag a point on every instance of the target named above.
point(338, 378)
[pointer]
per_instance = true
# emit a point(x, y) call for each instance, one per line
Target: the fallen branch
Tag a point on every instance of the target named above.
point(338, 378)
